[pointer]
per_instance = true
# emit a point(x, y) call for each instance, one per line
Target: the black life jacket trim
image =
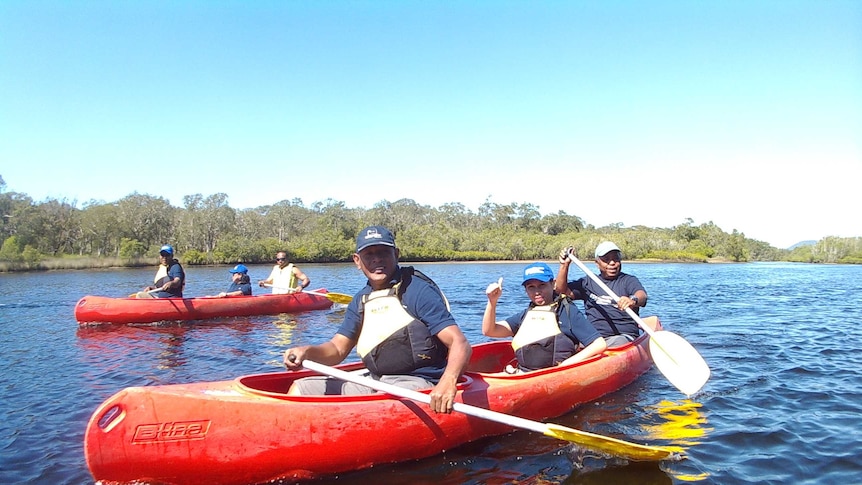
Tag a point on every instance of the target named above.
point(412, 346)
point(549, 351)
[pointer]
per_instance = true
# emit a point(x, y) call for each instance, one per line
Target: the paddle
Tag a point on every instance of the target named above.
point(333, 297)
point(604, 444)
point(680, 363)
point(149, 292)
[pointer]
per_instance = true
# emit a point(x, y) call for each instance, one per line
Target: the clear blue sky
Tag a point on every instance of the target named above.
point(747, 114)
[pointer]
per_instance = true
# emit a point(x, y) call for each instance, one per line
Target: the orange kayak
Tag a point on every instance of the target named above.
point(102, 309)
point(247, 430)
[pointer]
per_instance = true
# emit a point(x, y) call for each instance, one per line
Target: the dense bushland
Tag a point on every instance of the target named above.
point(55, 234)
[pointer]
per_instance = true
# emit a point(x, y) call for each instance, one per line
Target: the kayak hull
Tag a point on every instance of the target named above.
point(248, 430)
point(102, 309)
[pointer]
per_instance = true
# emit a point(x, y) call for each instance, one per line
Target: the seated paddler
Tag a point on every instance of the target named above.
point(550, 331)
point(170, 277)
point(400, 325)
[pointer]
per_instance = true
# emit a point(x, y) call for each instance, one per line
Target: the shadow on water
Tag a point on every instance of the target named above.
point(517, 458)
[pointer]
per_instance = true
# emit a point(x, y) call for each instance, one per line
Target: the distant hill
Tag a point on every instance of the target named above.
point(802, 243)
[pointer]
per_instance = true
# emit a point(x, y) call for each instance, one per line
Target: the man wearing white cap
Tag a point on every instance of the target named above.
point(609, 318)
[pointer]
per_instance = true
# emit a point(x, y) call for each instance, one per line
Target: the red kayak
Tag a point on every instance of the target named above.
point(248, 430)
point(91, 309)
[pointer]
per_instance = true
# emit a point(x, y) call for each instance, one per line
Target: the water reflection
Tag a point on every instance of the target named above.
point(106, 347)
point(300, 329)
point(281, 338)
point(680, 422)
point(156, 353)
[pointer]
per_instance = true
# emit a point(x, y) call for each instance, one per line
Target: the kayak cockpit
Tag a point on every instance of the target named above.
point(276, 385)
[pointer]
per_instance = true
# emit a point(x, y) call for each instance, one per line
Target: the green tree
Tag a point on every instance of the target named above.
point(559, 223)
point(11, 249)
point(99, 229)
point(131, 248)
point(58, 226)
point(686, 231)
point(147, 219)
point(735, 246)
point(335, 219)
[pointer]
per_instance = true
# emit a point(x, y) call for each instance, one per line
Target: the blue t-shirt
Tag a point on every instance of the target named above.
point(572, 323)
point(244, 287)
point(175, 270)
point(421, 300)
point(600, 308)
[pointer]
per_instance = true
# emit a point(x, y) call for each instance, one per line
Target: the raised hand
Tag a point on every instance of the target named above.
point(494, 290)
point(564, 254)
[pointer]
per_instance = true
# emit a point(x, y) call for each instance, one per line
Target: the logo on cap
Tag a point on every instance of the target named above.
point(534, 271)
point(374, 235)
point(538, 271)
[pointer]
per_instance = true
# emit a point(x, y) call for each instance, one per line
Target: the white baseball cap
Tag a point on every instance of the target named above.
point(605, 248)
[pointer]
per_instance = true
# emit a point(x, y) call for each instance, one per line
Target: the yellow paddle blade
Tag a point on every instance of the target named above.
point(333, 297)
point(339, 298)
point(613, 446)
point(680, 363)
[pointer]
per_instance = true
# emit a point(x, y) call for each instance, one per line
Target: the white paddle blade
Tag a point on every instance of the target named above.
point(680, 363)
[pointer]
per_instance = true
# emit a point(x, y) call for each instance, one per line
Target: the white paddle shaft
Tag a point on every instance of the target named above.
point(422, 397)
point(610, 293)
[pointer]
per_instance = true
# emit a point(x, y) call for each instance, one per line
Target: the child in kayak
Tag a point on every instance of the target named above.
point(550, 331)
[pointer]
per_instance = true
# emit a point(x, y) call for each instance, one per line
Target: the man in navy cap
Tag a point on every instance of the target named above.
point(170, 277)
point(609, 318)
point(400, 325)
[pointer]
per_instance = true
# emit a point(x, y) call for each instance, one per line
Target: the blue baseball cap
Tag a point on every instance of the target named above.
point(537, 271)
point(373, 236)
point(240, 268)
point(167, 249)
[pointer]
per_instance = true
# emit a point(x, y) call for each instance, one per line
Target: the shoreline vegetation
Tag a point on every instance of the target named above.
point(58, 234)
point(90, 263)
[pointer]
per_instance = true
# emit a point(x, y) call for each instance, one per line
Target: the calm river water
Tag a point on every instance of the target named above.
point(784, 404)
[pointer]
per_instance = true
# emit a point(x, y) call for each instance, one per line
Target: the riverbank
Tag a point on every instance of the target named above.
point(90, 263)
point(73, 263)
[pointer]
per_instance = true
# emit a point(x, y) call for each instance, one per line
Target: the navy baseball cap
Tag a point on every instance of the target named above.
point(538, 271)
point(167, 249)
point(373, 236)
point(240, 268)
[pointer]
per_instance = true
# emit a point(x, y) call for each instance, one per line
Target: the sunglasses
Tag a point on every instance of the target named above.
point(280, 259)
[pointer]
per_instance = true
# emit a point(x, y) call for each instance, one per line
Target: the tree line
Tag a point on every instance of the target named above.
point(56, 233)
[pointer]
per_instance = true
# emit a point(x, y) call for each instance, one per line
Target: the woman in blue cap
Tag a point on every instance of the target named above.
point(549, 331)
point(170, 277)
point(240, 283)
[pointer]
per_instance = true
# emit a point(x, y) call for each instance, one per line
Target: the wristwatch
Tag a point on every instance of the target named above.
point(635, 299)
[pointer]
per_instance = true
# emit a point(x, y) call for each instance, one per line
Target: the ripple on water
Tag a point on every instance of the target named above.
point(780, 407)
